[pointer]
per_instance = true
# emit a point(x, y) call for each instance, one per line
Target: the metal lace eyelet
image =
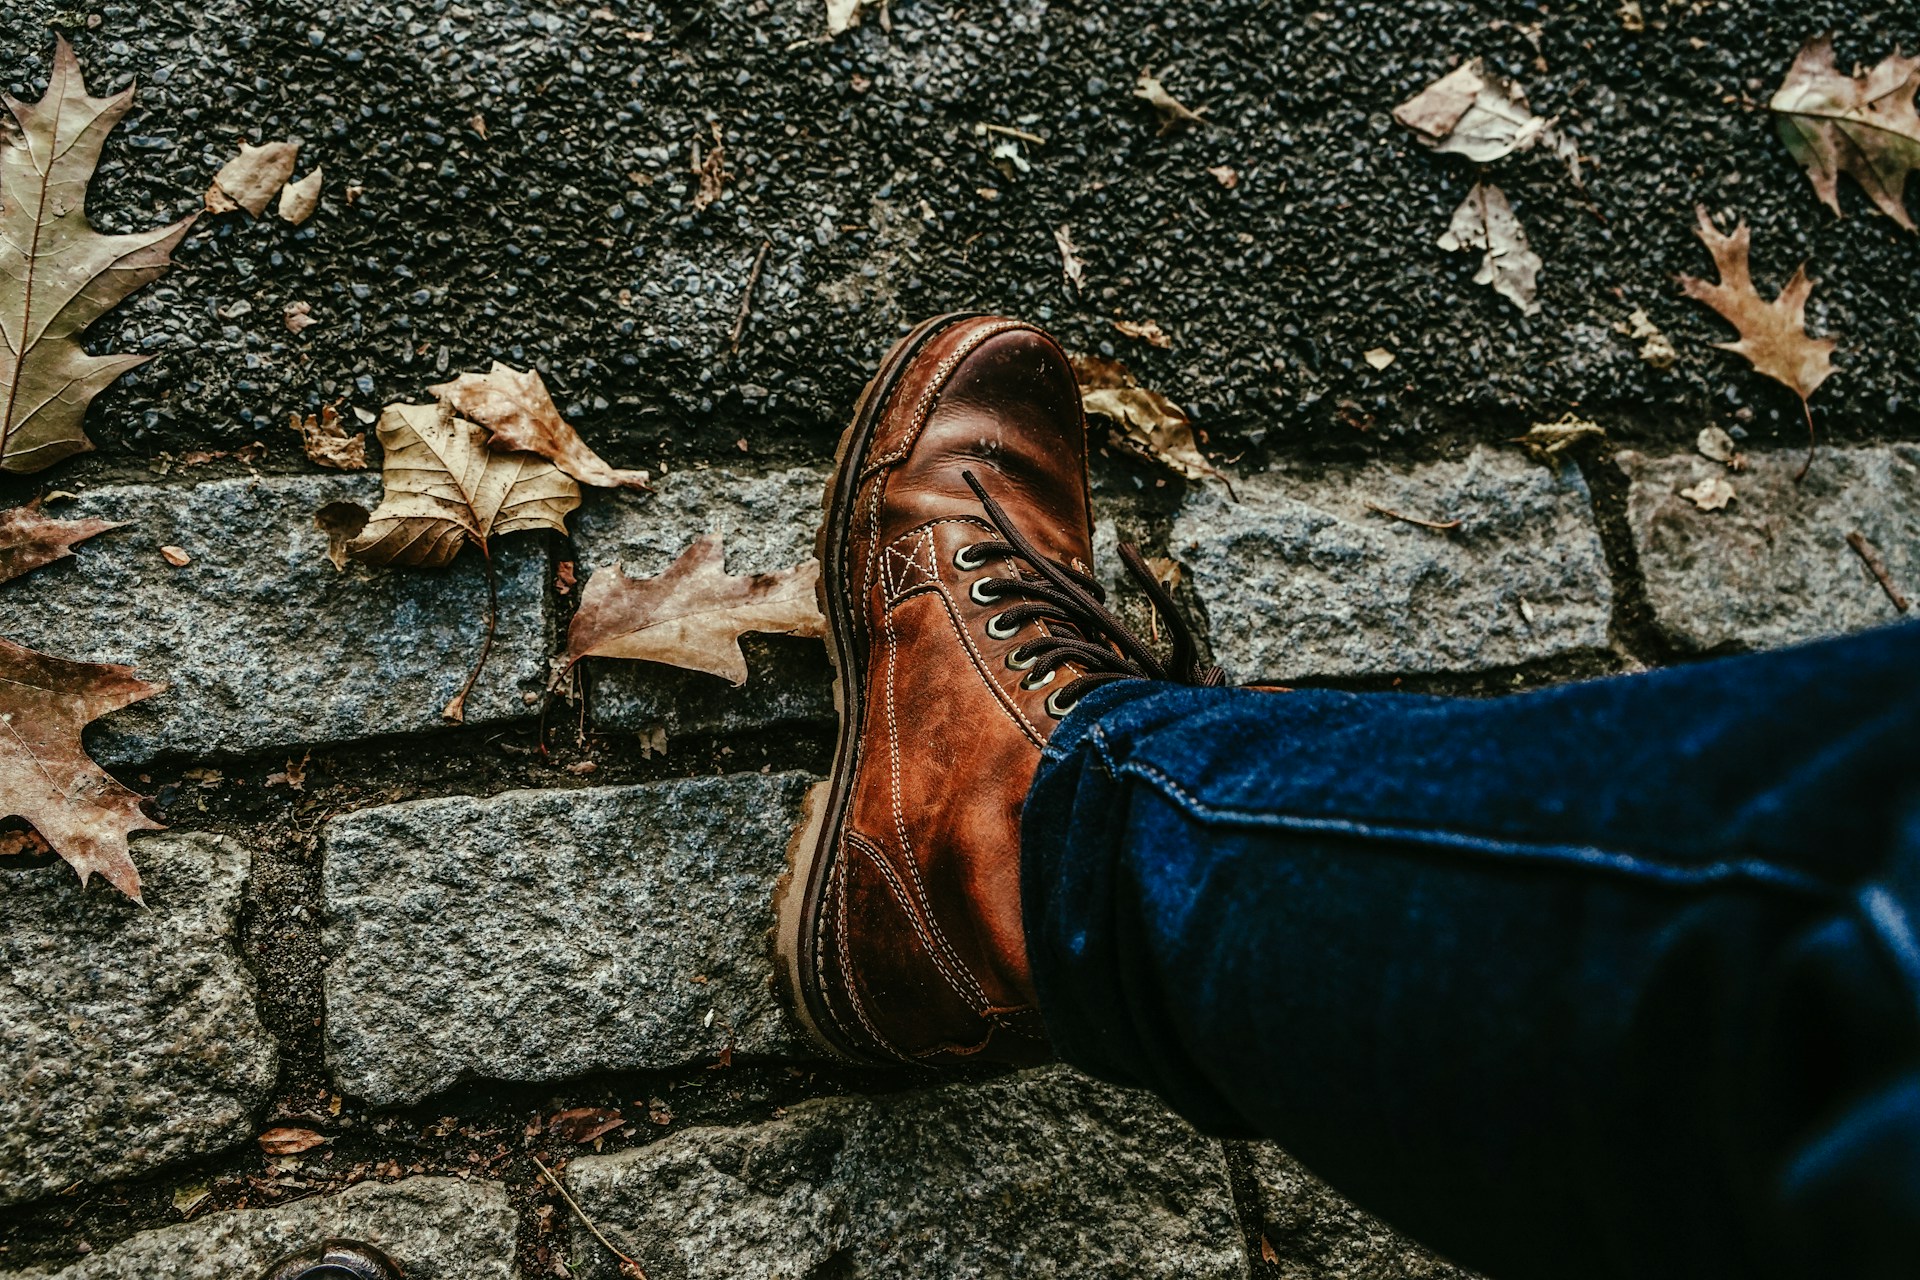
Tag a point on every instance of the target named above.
point(968, 558)
point(1028, 682)
point(978, 591)
point(1015, 661)
point(1056, 708)
point(1000, 629)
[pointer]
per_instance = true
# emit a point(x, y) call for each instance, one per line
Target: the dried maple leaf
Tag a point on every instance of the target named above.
point(1485, 221)
point(251, 179)
point(1145, 422)
point(29, 539)
point(327, 442)
point(1773, 335)
point(445, 488)
point(57, 274)
point(516, 409)
point(1864, 125)
point(693, 614)
point(46, 776)
point(1173, 113)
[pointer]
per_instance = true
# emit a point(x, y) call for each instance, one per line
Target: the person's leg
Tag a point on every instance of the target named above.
point(1616, 979)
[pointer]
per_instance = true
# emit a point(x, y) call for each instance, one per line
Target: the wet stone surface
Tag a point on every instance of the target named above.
point(537, 935)
point(1044, 1173)
point(433, 1228)
point(1316, 1234)
point(1301, 577)
point(767, 522)
point(1774, 566)
point(260, 641)
point(129, 1037)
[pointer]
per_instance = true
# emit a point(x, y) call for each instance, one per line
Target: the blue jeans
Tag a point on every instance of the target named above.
point(1615, 979)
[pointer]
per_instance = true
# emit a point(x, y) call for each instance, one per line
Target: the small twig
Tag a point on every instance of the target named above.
point(1877, 567)
point(627, 1265)
point(1808, 464)
point(1444, 526)
point(456, 710)
point(746, 299)
point(1011, 132)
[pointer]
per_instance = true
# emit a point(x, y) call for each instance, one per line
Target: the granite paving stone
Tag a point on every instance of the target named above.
point(1319, 1235)
point(1774, 566)
point(261, 642)
point(1301, 577)
point(129, 1036)
point(768, 522)
point(433, 1228)
point(536, 935)
point(1042, 1173)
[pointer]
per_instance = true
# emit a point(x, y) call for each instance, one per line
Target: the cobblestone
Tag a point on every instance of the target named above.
point(1301, 577)
point(537, 935)
point(129, 1037)
point(260, 641)
point(1319, 1235)
point(768, 522)
point(1774, 566)
point(433, 1228)
point(1045, 1173)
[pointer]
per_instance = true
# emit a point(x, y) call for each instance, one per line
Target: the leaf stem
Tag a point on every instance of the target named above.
point(1808, 464)
point(457, 709)
point(627, 1265)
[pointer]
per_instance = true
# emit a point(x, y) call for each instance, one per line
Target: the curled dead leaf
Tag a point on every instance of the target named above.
point(518, 413)
point(288, 1140)
point(327, 443)
point(1226, 175)
point(176, 556)
point(1711, 494)
point(298, 316)
point(1144, 421)
point(251, 179)
point(1485, 221)
point(693, 613)
point(1148, 331)
point(1655, 347)
point(1715, 443)
point(1073, 268)
point(1174, 114)
point(299, 199)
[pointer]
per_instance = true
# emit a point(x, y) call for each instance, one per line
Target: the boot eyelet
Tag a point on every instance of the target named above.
point(978, 592)
point(967, 558)
point(1001, 630)
point(1018, 663)
point(1028, 682)
point(1056, 708)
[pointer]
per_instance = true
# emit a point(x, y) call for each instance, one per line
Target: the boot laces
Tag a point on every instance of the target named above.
point(1082, 631)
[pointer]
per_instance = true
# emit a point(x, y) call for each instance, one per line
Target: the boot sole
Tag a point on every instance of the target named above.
point(815, 843)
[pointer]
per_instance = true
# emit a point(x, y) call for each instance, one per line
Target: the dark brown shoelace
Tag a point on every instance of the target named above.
point(1082, 630)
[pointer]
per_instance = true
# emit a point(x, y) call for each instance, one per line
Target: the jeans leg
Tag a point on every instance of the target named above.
point(1616, 979)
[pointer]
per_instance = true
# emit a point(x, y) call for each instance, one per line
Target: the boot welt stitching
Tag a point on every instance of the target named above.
point(848, 981)
point(913, 906)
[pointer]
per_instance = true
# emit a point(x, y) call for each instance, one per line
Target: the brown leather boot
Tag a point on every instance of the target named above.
point(963, 623)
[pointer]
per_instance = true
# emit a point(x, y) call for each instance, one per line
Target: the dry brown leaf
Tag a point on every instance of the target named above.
point(298, 316)
point(46, 776)
point(176, 556)
point(1655, 347)
point(57, 274)
point(516, 409)
point(1148, 331)
point(1474, 113)
point(1378, 357)
point(1226, 175)
point(1710, 494)
point(844, 15)
point(1773, 335)
point(1144, 421)
point(287, 1140)
point(29, 539)
point(299, 199)
point(584, 1124)
point(253, 178)
point(342, 523)
point(445, 488)
point(1550, 439)
point(1485, 221)
point(327, 443)
point(693, 614)
point(1715, 443)
point(1864, 125)
point(710, 173)
point(1073, 268)
point(1173, 113)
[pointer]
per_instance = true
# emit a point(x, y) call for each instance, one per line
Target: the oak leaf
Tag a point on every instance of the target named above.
point(46, 776)
point(29, 539)
point(1485, 221)
point(1773, 335)
point(693, 614)
point(1864, 125)
point(516, 409)
point(445, 489)
point(57, 274)
point(1144, 421)
point(253, 178)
